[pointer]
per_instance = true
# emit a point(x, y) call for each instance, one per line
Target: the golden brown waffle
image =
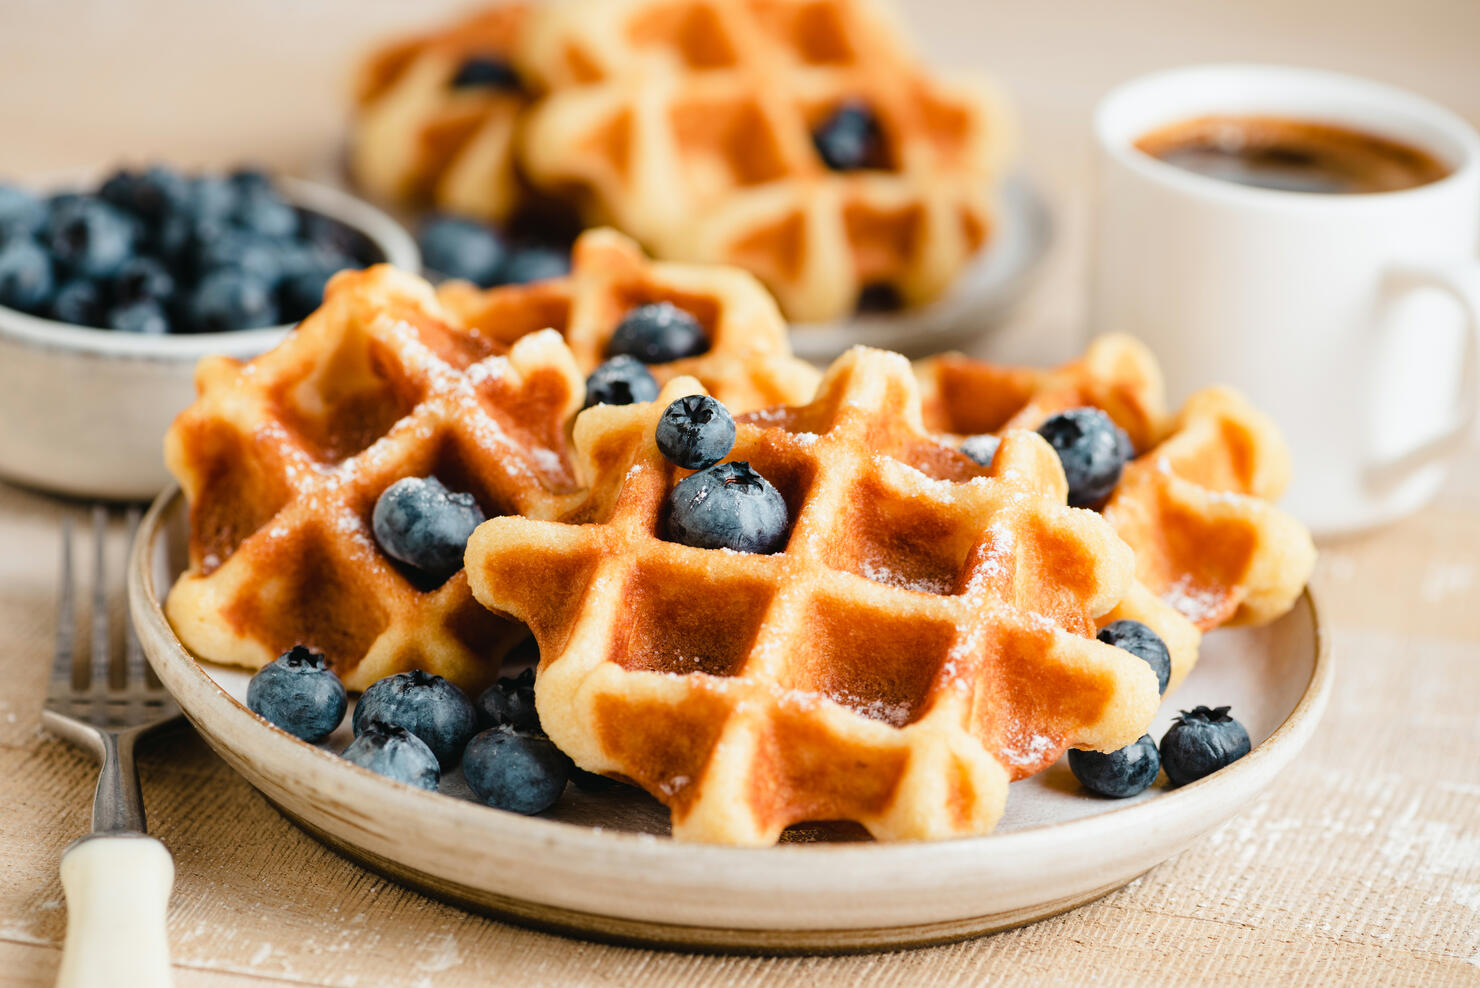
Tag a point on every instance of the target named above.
point(749, 364)
point(282, 460)
point(688, 124)
point(921, 640)
point(418, 140)
point(1196, 503)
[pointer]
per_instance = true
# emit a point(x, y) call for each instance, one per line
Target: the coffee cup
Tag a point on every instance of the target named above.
point(1352, 317)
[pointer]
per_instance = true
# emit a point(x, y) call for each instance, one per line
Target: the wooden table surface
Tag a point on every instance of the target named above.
point(1361, 866)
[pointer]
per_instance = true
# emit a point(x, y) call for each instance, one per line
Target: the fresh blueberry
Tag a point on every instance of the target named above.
point(1117, 774)
point(727, 506)
point(1093, 451)
point(21, 212)
point(459, 248)
point(1142, 642)
point(508, 770)
point(332, 240)
point(298, 692)
point(265, 212)
point(140, 279)
point(149, 195)
point(228, 299)
point(418, 521)
point(534, 263)
point(26, 280)
point(395, 753)
point(850, 139)
point(428, 706)
point(657, 333)
point(621, 381)
point(982, 448)
point(145, 317)
point(695, 432)
point(302, 292)
point(259, 256)
point(510, 701)
point(250, 180)
point(79, 302)
point(486, 72)
point(1200, 742)
point(212, 197)
point(89, 237)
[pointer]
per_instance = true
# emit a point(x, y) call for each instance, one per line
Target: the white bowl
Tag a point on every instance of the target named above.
point(84, 411)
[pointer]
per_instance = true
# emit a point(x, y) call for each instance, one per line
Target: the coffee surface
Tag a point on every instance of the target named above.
point(1292, 155)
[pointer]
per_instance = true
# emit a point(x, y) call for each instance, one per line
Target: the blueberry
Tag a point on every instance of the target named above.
point(658, 333)
point(263, 211)
point(621, 381)
point(302, 292)
point(212, 197)
point(21, 212)
point(79, 302)
point(250, 180)
point(262, 257)
point(395, 753)
point(508, 770)
point(510, 701)
point(348, 247)
point(1142, 642)
point(982, 448)
point(89, 237)
point(459, 248)
point(486, 72)
point(145, 317)
point(149, 195)
point(298, 692)
point(418, 521)
point(1093, 451)
point(142, 278)
point(850, 139)
point(526, 264)
point(1117, 774)
point(26, 280)
point(879, 296)
point(727, 506)
point(428, 706)
point(227, 299)
point(1200, 742)
point(696, 432)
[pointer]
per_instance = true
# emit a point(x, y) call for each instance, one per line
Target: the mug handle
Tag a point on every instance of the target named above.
point(1461, 280)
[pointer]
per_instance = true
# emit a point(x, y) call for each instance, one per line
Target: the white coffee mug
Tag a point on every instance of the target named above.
point(1354, 320)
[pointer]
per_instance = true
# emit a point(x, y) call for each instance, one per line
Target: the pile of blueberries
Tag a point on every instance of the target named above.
point(157, 251)
point(454, 247)
point(1094, 451)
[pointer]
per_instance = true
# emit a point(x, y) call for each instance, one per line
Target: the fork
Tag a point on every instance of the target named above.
point(117, 879)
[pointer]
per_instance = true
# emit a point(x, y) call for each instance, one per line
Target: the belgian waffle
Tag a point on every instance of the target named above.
point(689, 125)
point(749, 362)
point(420, 140)
point(282, 460)
point(922, 639)
point(1196, 503)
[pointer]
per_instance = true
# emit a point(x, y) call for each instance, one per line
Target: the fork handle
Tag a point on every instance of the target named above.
point(117, 887)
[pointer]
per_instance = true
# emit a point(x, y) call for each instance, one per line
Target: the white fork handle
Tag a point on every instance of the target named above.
point(117, 888)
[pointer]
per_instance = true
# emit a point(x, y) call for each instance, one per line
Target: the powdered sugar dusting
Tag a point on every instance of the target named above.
point(1196, 604)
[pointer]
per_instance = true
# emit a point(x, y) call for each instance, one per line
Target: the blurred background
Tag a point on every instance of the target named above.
point(218, 82)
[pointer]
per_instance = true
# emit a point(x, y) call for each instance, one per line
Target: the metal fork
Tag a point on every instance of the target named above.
point(117, 879)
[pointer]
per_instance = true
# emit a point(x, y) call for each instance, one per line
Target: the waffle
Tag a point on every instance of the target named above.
point(921, 640)
point(418, 140)
point(689, 125)
point(1196, 503)
point(749, 364)
point(282, 459)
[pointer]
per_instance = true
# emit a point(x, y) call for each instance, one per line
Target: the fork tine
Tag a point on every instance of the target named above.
point(99, 653)
point(135, 675)
point(66, 648)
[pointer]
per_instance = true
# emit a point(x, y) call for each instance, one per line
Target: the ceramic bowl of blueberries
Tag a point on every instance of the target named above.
point(512, 830)
point(111, 291)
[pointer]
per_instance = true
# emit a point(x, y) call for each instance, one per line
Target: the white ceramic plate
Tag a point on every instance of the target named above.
point(602, 866)
point(980, 300)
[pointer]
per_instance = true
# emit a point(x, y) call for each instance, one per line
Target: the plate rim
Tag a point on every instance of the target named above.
point(767, 866)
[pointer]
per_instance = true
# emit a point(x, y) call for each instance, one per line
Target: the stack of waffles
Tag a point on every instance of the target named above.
point(690, 125)
point(925, 635)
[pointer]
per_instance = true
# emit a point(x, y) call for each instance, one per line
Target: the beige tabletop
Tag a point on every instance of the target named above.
point(1361, 866)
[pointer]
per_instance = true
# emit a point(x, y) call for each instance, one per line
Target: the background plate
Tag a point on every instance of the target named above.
point(602, 865)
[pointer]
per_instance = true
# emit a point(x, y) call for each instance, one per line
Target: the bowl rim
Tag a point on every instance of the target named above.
point(395, 244)
point(1249, 774)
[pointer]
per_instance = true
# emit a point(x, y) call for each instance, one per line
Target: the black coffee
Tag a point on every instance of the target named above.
point(1292, 155)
